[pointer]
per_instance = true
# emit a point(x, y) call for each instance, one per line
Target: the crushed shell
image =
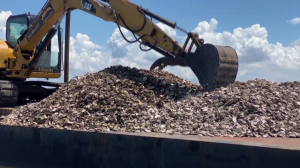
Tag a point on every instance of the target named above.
point(128, 99)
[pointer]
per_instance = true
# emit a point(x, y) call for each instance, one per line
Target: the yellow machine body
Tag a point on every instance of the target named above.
point(26, 53)
point(6, 53)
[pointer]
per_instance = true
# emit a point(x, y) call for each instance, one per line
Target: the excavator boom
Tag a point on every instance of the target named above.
point(214, 66)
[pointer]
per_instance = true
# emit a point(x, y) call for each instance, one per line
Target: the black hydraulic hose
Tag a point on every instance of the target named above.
point(133, 31)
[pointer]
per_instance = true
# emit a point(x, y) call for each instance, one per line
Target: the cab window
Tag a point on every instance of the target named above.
point(15, 28)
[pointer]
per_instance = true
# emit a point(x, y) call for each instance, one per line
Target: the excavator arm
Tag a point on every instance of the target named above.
point(214, 66)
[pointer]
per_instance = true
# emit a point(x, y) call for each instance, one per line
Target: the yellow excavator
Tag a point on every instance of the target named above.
point(26, 53)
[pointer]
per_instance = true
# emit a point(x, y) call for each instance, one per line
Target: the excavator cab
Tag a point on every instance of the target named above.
point(49, 64)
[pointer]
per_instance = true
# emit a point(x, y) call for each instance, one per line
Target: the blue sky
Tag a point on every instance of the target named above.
point(230, 14)
point(267, 44)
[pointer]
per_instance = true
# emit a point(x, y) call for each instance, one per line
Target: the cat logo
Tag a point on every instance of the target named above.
point(47, 13)
point(87, 6)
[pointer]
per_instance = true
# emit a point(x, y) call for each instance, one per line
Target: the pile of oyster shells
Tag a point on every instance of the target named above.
point(136, 100)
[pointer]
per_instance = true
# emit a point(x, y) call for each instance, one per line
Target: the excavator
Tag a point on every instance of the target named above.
point(26, 53)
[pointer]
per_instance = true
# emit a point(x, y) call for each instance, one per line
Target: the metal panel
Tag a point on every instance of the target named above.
point(34, 147)
point(67, 47)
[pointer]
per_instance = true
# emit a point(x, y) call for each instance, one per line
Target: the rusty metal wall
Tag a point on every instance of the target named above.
point(33, 147)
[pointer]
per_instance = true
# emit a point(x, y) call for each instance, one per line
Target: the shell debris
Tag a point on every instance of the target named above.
point(127, 99)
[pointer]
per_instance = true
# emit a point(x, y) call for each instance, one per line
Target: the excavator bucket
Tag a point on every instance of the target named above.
point(214, 66)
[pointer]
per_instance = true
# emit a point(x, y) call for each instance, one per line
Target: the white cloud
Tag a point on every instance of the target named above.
point(296, 42)
point(251, 44)
point(257, 56)
point(3, 17)
point(295, 20)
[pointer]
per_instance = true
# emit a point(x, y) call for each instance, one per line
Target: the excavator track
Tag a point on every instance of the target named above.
point(8, 94)
point(35, 91)
point(18, 93)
